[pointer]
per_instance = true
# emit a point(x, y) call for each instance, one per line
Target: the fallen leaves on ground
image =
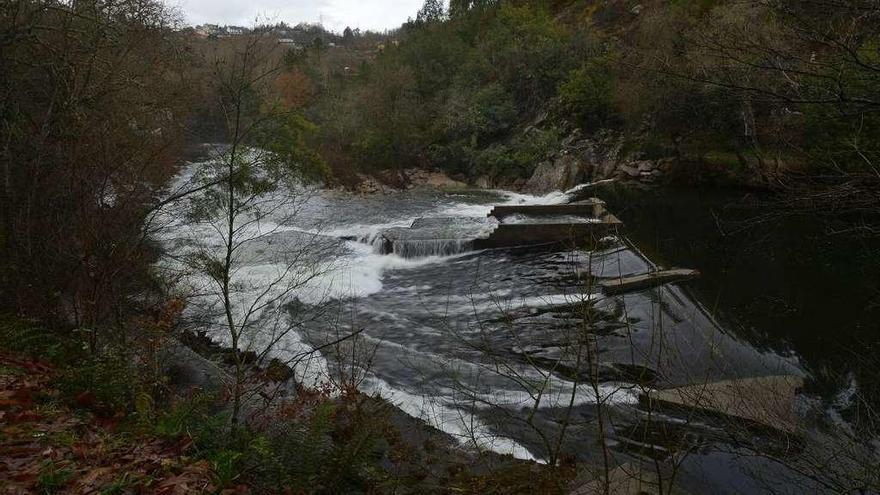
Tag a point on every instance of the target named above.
point(48, 447)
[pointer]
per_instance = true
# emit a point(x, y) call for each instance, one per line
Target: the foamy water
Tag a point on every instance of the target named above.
point(423, 316)
point(344, 270)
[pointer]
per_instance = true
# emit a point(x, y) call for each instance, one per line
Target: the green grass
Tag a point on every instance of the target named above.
point(52, 478)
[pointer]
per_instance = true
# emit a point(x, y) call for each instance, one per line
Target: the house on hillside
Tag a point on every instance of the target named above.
point(290, 43)
point(208, 29)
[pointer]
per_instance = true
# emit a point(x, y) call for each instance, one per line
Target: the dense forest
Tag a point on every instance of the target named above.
point(104, 102)
point(762, 90)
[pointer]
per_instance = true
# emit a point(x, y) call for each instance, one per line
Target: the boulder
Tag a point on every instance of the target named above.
point(570, 140)
point(561, 174)
point(628, 171)
point(646, 166)
point(393, 179)
point(601, 154)
point(368, 185)
point(440, 180)
point(666, 165)
point(186, 369)
point(420, 178)
point(416, 175)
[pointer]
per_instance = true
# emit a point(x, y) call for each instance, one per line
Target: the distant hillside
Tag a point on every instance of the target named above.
point(710, 90)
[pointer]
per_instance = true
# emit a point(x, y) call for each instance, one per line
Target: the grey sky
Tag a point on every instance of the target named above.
point(366, 14)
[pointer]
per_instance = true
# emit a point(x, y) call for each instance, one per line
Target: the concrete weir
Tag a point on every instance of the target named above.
point(573, 224)
point(440, 236)
point(591, 208)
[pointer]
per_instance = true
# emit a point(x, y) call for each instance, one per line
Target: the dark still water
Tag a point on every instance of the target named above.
point(800, 284)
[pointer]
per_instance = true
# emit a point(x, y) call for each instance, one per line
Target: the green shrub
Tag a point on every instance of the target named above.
point(334, 448)
point(119, 486)
point(840, 143)
point(193, 417)
point(29, 338)
point(477, 115)
point(496, 161)
point(226, 466)
point(518, 158)
point(103, 381)
point(587, 94)
point(527, 51)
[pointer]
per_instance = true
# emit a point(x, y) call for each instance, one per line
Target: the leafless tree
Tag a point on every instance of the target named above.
point(244, 261)
point(92, 104)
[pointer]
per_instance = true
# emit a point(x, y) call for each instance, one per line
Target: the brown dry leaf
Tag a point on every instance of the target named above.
point(26, 442)
point(89, 482)
point(238, 490)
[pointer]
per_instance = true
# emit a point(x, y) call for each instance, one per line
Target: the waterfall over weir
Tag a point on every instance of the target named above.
point(441, 236)
point(431, 247)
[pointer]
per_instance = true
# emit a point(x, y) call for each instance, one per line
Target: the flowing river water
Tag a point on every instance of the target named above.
point(478, 343)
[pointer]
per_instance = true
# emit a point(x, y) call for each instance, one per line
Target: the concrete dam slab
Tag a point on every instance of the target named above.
point(592, 208)
point(646, 281)
point(567, 225)
point(766, 400)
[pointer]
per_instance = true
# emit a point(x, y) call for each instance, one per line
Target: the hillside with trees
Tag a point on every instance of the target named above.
point(762, 92)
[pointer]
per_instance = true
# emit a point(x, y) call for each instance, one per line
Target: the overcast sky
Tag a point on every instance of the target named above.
point(376, 15)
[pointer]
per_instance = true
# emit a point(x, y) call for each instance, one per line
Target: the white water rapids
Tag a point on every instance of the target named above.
point(423, 306)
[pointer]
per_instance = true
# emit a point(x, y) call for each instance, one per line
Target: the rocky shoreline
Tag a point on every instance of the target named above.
point(194, 361)
point(389, 182)
point(581, 159)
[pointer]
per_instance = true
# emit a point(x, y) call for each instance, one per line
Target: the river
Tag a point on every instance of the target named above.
point(479, 343)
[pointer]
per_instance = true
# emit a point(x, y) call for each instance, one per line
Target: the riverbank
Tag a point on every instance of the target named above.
point(407, 452)
point(584, 160)
point(69, 427)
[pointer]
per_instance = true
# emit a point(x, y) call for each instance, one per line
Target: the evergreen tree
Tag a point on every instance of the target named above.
point(458, 8)
point(431, 11)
